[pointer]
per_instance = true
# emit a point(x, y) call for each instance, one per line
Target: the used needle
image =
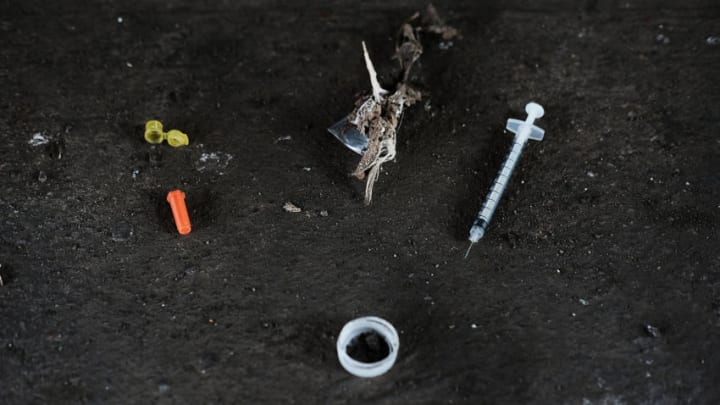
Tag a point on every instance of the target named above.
point(469, 247)
point(523, 130)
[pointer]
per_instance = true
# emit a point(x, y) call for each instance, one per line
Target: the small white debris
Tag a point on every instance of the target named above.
point(307, 169)
point(591, 174)
point(652, 331)
point(446, 45)
point(712, 40)
point(323, 213)
point(474, 326)
point(662, 39)
point(120, 20)
point(128, 64)
point(38, 139)
point(290, 207)
point(284, 138)
point(213, 161)
point(584, 302)
point(42, 176)
point(135, 173)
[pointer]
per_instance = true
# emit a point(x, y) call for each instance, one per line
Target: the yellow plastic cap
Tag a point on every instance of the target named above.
point(176, 138)
point(154, 131)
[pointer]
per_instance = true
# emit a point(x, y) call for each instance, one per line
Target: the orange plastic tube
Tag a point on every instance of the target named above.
point(176, 198)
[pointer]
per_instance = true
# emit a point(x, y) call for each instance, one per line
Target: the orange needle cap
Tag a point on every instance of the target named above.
point(176, 198)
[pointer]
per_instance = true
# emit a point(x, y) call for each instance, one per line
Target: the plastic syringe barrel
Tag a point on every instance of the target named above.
point(496, 191)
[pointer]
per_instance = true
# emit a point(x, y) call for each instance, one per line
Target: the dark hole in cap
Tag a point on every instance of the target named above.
point(368, 347)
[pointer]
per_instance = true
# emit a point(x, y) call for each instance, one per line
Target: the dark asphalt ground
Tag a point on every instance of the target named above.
point(598, 281)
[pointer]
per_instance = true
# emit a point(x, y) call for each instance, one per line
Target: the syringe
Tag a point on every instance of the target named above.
point(523, 130)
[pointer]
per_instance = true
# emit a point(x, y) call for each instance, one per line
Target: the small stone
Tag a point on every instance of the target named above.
point(590, 174)
point(323, 213)
point(121, 232)
point(474, 326)
point(584, 302)
point(38, 139)
point(42, 176)
point(163, 388)
point(662, 39)
point(120, 20)
point(290, 207)
point(712, 40)
point(652, 331)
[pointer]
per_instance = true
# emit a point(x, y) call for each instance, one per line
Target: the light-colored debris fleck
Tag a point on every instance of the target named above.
point(290, 207)
point(38, 139)
point(285, 138)
point(213, 161)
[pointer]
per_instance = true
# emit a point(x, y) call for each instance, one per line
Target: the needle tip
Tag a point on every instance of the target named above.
point(467, 252)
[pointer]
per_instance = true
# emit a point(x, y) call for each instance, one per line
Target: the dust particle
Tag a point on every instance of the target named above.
point(290, 207)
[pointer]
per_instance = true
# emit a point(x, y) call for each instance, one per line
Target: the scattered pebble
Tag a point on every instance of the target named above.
point(284, 138)
point(163, 388)
point(591, 174)
point(323, 213)
point(662, 39)
point(128, 64)
point(474, 326)
point(135, 173)
point(652, 331)
point(120, 20)
point(307, 169)
point(445, 45)
point(42, 176)
point(584, 302)
point(290, 207)
point(38, 139)
point(712, 40)
point(121, 232)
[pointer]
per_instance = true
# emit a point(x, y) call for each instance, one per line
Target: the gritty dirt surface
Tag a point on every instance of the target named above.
point(598, 281)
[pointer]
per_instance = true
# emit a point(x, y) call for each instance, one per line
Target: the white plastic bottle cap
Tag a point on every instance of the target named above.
point(354, 329)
